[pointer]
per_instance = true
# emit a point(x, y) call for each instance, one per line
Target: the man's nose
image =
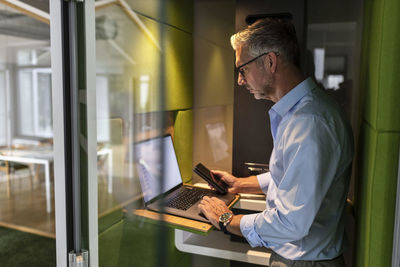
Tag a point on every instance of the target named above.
point(241, 79)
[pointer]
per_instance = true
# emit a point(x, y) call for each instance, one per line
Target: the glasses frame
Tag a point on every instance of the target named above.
point(241, 71)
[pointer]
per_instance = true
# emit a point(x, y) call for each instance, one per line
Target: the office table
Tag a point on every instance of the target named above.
point(35, 156)
point(44, 156)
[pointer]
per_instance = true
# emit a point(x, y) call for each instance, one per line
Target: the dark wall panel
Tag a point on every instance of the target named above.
point(252, 141)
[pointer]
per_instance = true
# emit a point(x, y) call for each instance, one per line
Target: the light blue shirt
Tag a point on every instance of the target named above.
point(306, 187)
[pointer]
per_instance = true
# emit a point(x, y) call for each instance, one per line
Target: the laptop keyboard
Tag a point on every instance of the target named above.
point(184, 198)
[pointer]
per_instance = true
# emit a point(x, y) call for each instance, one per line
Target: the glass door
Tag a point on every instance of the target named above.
point(27, 213)
point(120, 83)
point(130, 106)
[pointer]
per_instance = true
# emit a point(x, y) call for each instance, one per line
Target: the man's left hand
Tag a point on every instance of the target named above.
point(212, 208)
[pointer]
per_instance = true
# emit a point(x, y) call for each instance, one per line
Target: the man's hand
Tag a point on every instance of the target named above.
point(239, 185)
point(212, 208)
point(232, 181)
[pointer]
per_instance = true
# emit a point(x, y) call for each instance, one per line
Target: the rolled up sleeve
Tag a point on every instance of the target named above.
point(264, 180)
point(248, 231)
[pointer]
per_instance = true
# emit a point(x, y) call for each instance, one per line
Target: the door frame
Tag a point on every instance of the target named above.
point(85, 97)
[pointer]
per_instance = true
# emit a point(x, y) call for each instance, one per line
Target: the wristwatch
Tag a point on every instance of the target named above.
point(224, 220)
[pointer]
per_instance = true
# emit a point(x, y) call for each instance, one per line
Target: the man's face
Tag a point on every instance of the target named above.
point(256, 78)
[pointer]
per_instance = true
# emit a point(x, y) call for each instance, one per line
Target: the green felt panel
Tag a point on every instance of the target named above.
point(135, 242)
point(376, 198)
point(151, 93)
point(384, 198)
point(381, 63)
point(178, 13)
point(178, 69)
point(364, 194)
point(389, 93)
point(185, 261)
point(370, 61)
point(183, 142)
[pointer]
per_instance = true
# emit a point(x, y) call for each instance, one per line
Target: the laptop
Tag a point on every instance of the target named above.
point(174, 197)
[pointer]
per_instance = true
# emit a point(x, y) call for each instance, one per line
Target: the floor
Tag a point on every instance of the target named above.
point(25, 208)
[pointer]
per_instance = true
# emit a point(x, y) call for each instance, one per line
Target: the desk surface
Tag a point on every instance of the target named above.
point(217, 244)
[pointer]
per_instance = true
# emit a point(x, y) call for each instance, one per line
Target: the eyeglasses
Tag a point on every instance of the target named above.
point(240, 68)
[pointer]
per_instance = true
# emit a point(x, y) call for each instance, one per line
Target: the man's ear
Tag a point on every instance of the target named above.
point(271, 62)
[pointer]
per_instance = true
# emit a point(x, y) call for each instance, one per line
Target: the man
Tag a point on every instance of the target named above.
point(310, 165)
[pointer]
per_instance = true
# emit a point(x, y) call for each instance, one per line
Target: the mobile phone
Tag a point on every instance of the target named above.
point(212, 179)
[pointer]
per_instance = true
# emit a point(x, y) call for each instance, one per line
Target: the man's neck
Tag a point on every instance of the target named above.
point(288, 79)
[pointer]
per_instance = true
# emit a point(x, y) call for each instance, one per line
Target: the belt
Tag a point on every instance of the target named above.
point(285, 260)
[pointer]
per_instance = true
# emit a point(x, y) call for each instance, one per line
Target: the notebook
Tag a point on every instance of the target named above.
point(172, 196)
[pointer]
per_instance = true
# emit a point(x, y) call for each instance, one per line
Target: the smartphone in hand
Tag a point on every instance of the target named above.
point(212, 179)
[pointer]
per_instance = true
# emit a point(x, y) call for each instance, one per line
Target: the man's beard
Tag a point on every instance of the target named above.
point(261, 94)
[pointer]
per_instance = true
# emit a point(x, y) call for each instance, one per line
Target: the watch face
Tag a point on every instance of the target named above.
point(225, 217)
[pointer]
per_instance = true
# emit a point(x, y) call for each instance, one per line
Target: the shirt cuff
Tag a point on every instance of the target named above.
point(247, 229)
point(264, 180)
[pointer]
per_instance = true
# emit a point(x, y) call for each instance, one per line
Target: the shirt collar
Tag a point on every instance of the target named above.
point(293, 96)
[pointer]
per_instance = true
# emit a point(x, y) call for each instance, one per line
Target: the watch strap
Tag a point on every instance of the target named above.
point(223, 227)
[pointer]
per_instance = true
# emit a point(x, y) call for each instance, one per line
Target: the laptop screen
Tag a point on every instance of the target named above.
point(151, 170)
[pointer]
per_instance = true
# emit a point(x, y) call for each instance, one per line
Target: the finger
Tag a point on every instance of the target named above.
point(209, 213)
point(219, 173)
point(217, 201)
point(232, 190)
point(202, 202)
point(211, 187)
point(225, 179)
point(206, 198)
point(206, 201)
point(214, 206)
point(204, 208)
point(201, 207)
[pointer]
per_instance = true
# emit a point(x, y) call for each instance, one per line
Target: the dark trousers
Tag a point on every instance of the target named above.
point(279, 261)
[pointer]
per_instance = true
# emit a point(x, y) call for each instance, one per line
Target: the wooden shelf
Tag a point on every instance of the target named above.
point(179, 222)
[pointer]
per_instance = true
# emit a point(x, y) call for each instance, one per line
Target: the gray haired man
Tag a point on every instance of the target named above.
point(310, 165)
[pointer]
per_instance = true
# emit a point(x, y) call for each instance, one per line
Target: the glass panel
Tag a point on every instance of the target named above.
point(27, 222)
point(130, 109)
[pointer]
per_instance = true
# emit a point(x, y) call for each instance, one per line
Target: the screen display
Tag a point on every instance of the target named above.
point(151, 171)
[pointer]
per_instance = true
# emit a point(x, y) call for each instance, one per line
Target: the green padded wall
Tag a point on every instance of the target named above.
point(380, 133)
point(177, 52)
point(178, 13)
point(183, 136)
point(178, 69)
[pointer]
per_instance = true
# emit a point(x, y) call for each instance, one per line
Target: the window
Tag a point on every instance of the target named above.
point(34, 102)
point(3, 109)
